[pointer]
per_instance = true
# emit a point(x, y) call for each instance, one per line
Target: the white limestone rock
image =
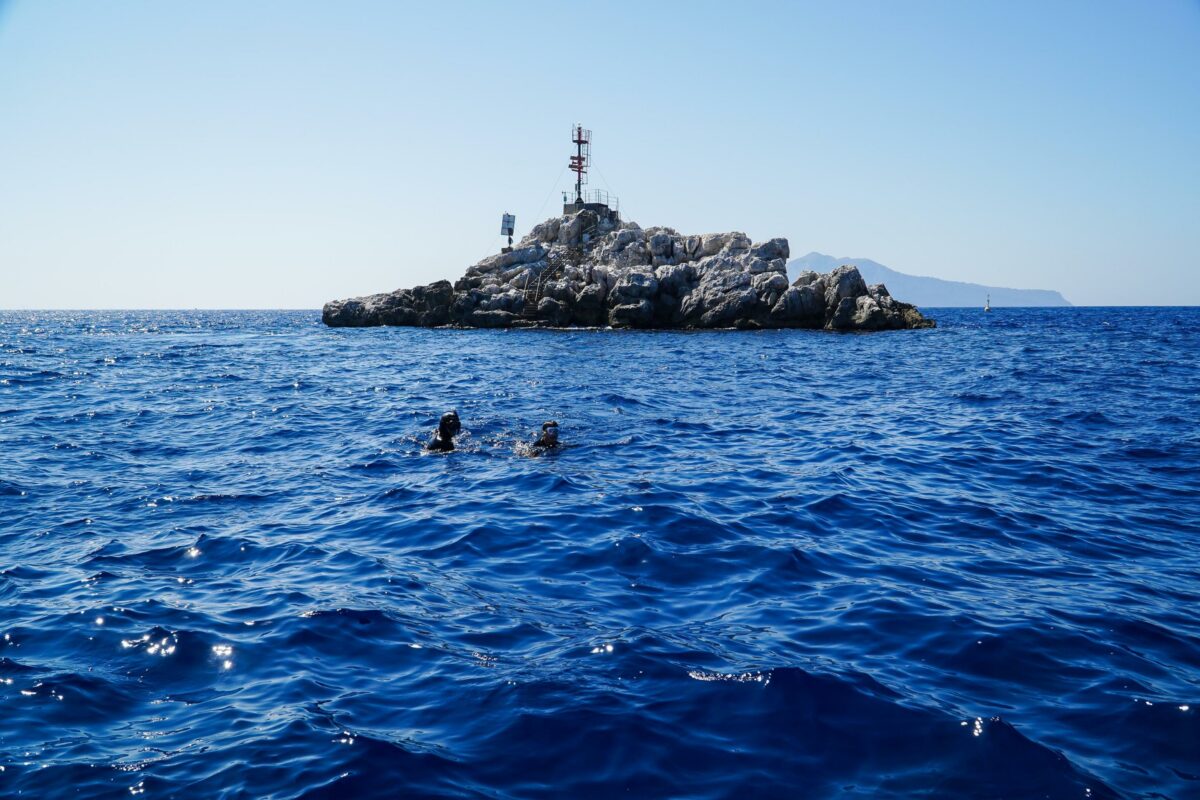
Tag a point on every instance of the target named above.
point(582, 270)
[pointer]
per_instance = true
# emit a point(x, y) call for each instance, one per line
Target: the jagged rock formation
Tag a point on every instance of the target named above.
point(588, 271)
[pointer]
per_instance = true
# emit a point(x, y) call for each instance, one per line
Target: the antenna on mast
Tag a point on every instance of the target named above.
point(579, 162)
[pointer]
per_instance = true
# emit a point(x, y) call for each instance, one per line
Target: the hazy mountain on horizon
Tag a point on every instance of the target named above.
point(928, 292)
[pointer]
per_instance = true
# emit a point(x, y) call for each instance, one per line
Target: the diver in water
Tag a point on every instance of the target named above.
point(448, 428)
point(549, 437)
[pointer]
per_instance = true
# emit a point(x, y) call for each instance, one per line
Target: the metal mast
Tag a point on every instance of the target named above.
point(579, 162)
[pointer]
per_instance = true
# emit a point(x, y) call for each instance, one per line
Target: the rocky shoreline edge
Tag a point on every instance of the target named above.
point(587, 270)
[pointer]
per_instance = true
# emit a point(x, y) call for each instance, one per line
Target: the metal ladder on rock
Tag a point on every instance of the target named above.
point(556, 265)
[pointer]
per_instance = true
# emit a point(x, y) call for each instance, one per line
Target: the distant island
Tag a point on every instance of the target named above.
point(591, 268)
point(929, 292)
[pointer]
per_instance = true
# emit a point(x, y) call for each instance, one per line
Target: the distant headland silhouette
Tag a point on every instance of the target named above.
point(928, 292)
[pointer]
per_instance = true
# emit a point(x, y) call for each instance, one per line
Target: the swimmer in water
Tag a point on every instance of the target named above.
point(549, 437)
point(448, 428)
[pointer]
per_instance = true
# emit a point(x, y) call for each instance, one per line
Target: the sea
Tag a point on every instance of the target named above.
point(950, 563)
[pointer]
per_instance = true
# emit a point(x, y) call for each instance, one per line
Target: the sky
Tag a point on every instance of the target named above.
point(228, 154)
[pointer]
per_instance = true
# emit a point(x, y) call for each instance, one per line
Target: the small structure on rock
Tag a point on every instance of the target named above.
point(600, 203)
point(508, 225)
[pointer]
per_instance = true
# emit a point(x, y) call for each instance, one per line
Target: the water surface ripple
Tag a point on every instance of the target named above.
point(950, 563)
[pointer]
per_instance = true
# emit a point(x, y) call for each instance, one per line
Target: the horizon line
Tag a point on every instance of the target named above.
point(4, 309)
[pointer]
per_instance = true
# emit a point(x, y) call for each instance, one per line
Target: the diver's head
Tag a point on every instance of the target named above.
point(550, 431)
point(449, 424)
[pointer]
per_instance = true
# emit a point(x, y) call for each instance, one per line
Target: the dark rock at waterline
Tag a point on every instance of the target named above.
point(424, 306)
point(581, 270)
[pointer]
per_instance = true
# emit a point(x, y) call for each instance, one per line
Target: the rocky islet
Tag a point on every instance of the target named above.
point(592, 270)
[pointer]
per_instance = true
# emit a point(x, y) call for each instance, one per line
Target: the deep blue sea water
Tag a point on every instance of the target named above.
point(953, 563)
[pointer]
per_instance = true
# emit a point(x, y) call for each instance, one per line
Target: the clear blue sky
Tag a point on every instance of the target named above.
point(281, 154)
